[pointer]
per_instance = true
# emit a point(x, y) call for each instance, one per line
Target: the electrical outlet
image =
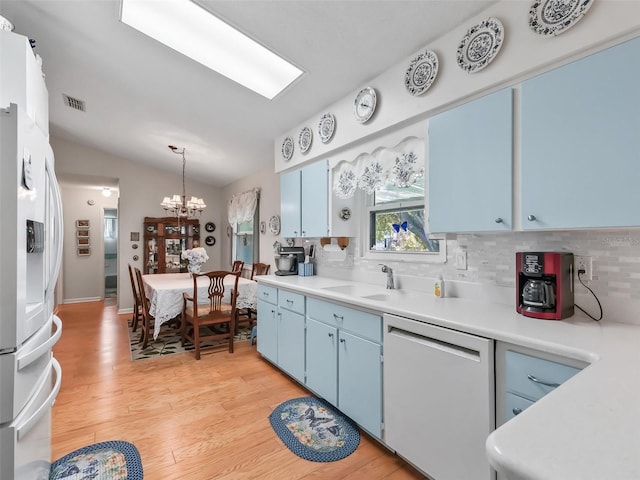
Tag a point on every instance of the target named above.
point(461, 259)
point(581, 262)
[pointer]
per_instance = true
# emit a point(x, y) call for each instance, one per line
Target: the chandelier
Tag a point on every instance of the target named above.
point(178, 204)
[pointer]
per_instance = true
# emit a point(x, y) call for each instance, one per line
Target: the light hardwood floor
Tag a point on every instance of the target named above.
point(189, 419)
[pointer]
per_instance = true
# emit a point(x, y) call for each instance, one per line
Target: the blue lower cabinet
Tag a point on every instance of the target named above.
point(322, 360)
point(344, 361)
point(291, 343)
point(360, 381)
point(267, 330)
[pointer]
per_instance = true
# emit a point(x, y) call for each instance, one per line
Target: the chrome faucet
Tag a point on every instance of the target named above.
point(386, 269)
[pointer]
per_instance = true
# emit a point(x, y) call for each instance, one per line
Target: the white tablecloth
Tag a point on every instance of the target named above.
point(164, 291)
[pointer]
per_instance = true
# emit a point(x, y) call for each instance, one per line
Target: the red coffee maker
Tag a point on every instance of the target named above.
point(544, 284)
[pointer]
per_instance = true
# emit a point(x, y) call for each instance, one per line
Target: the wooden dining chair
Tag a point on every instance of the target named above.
point(260, 269)
point(209, 319)
point(137, 305)
point(147, 318)
point(238, 265)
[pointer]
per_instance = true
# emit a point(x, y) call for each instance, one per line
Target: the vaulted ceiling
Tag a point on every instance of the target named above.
point(142, 96)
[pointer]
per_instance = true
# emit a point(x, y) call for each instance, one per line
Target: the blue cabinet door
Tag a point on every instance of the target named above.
point(291, 343)
point(470, 166)
point(290, 214)
point(360, 381)
point(315, 194)
point(267, 330)
point(322, 360)
point(580, 143)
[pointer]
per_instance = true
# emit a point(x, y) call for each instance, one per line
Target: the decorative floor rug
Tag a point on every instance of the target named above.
point(314, 430)
point(168, 343)
point(113, 460)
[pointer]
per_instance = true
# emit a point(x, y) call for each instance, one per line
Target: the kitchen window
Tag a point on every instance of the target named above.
point(396, 225)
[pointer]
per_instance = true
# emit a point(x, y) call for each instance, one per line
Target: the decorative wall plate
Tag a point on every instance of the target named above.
point(210, 241)
point(345, 214)
point(326, 126)
point(287, 149)
point(552, 17)
point(210, 227)
point(5, 24)
point(274, 225)
point(304, 139)
point(480, 45)
point(263, 227)
point(364, 104)
point(421, 73)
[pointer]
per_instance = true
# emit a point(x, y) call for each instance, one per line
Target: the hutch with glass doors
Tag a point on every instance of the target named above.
point(165, 238)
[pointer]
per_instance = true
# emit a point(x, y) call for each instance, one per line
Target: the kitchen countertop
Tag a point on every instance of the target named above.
point(589, 428)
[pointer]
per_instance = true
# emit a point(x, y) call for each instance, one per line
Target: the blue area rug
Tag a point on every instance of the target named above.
point(314, 430)
point(113, 460)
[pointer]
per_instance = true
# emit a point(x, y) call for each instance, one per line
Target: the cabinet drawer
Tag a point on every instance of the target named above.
point(514, 405)
point(291, 301)
point(533, 377)
point(366, 325)
point(268, 294)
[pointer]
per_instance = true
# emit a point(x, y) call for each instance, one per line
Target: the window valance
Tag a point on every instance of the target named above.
point(242, 206)
point(401, 165)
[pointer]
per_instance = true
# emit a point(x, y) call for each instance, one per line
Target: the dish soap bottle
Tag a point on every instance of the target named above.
point(438, 287)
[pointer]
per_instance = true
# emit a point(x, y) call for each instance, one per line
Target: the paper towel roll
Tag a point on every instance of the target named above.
point(331, 247)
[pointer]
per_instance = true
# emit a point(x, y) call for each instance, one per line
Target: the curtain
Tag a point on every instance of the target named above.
point(242, 206)
point(401, 165)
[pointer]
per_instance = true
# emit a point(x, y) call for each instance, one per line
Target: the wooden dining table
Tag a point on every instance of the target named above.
point(164, 291)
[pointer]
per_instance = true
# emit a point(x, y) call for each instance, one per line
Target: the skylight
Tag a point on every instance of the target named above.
point(193, 31)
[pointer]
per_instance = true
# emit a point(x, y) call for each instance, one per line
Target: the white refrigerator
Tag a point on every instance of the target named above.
point(30, 257)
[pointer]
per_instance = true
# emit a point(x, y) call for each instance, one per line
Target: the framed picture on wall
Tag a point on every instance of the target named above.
point(82, 224)
point(82, 233)
point(83, 241)
point(84, 251)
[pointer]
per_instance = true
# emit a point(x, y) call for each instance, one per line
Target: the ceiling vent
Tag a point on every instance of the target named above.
point(74, 103)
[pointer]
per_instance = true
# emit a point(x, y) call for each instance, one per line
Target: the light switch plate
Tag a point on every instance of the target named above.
point(461, 259)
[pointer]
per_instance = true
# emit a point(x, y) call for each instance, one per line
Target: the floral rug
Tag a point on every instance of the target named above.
point(112, 460)
point(168, 343)
point(314, 430)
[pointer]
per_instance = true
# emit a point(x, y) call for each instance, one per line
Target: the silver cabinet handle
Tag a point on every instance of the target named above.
point(331, 334)
point(289, 301)
point(265, 294)
point(338, 317)
point(499, 220)
point(531, 218)
point(540, 382)
point(342, 340)
point(516, 411)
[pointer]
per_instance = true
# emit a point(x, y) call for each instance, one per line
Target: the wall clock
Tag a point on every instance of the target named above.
point(364, 104)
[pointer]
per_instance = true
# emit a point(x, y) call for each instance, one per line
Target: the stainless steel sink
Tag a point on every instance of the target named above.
point(354, 290)
point(380, 297)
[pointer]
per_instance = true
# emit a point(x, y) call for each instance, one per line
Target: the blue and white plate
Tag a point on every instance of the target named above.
point(552, 17)
point(287, 149)
point(480, 45)
point(304, 139)
point(326, 126)
point(421, 73)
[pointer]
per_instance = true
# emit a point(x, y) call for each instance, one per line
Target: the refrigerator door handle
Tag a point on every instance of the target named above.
point(32, 355)
point(25, 426)
point(58, 226)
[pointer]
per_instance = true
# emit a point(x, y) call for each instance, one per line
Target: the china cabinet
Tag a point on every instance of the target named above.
point(165, 238)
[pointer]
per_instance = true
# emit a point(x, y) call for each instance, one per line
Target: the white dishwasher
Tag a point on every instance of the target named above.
point(438, 398)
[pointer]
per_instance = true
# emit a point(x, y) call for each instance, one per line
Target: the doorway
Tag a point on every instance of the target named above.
point(110, 253)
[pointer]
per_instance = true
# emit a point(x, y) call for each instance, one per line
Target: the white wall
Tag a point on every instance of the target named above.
point(141, 191)
point(269, 184)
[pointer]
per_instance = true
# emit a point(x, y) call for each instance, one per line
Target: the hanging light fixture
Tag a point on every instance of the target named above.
point(178, 204)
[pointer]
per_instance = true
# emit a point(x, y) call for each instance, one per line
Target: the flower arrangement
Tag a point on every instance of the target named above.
point(196, 257)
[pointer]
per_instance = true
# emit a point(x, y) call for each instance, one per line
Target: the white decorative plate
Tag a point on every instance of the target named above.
point(274, 225)
point(5, 24)
point(287, 149)
point(326, 126)
point(480, 45)
point(552, 17)
point(304, 139)
point(421, 73)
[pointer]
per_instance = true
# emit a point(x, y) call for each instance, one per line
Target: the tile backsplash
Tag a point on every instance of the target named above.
point(491, 264)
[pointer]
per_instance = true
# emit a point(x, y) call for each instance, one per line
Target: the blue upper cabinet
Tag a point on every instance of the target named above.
point(304, 199)
point(581, 143)
point(470, 166)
